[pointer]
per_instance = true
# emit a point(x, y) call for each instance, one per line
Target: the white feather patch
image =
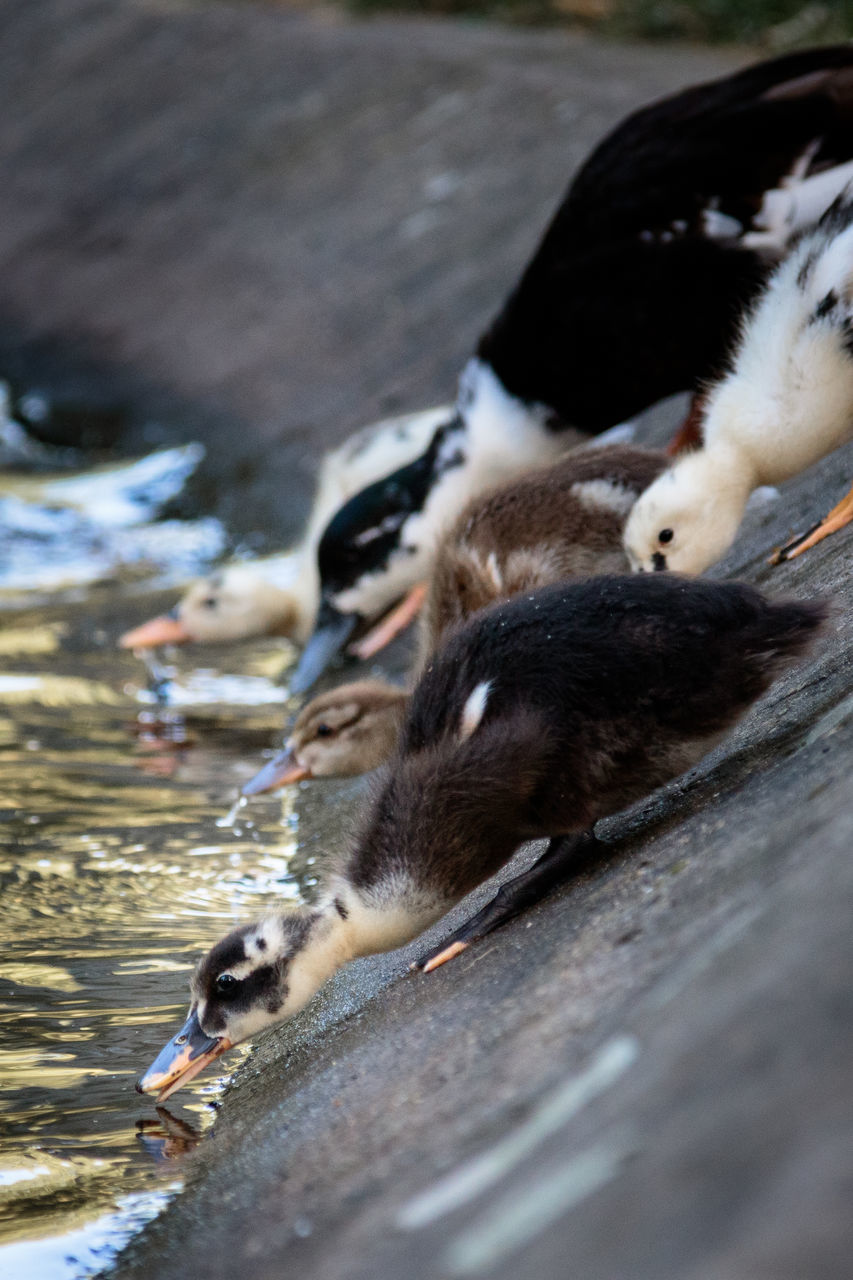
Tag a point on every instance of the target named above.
point(474, 709)
point(596, 494)
point(494, 571)
point(794, 204)
point(720, 226)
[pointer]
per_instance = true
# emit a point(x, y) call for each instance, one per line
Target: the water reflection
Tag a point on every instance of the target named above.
point(167, 1137)
point(115, 874)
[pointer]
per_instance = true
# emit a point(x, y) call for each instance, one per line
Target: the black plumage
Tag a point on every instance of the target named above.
point(535, 718)
point(627, 280)
point(634, 293)
point(596, 693)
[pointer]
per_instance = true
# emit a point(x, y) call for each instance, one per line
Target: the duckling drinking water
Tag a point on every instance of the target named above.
point(278, 595)
point(556, 523)
point(536, 718)
point(343, 732)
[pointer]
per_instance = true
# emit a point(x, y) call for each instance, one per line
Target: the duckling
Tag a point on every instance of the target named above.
point(787, 402)
point(278, 595)
point(556, 523)
point(664, 237)
point(237, 602)
point(340, 733)
point(536, 718)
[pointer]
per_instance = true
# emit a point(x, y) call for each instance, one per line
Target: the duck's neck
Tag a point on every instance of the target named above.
point(736, 418)
point(389, 916)
point(503, 431)
point(348, 925)
point(328, 948)
point(290, 613)
point(733, 471)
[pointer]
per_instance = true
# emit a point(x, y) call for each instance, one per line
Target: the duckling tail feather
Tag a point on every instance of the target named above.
point(787, 629)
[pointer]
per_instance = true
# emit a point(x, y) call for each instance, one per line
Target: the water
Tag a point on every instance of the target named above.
point(116, 872)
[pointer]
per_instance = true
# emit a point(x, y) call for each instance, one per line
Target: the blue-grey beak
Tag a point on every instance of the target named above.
point(278, 772)
point(181, 1059)
point(330, 635)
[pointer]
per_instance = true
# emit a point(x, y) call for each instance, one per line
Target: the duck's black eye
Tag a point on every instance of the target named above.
point(210, 602)
point(225, 984)
point(324, 731)
point(665, 535)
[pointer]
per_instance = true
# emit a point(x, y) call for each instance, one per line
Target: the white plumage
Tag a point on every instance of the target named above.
point(787, 402)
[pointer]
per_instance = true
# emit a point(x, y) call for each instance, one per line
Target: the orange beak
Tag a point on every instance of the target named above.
point(167, 629)
point(278, 772)
point(182, 1059)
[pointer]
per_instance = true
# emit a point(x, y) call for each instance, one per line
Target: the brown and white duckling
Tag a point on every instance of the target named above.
point(278, 595)
point(554, 524)
point(536, 718)
point(787, 402)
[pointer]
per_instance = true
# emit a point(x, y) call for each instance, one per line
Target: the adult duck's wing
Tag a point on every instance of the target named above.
point(715, 147)
point(637, 286)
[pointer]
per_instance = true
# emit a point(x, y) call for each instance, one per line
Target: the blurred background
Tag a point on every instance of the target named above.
point(769, 24)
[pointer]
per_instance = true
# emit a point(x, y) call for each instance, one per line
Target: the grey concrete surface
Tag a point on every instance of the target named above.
point(695, 985)
point(264, 228)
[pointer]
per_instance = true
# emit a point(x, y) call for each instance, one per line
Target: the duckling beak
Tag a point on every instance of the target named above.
point(278, 772)
point(180, 1061)
point(330, 635)
point(167, 629)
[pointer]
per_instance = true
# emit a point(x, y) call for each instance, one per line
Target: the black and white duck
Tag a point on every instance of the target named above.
point(554, 524)
point(279, 595)
point(786, 402)
point(536, 718)
point(634, 293)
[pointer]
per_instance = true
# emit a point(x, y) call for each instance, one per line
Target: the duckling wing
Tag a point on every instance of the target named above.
point(658, 656)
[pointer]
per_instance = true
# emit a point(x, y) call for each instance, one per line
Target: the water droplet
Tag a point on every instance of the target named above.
point(231, 815)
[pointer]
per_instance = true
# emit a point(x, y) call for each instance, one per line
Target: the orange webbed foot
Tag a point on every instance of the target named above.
point(838, 517)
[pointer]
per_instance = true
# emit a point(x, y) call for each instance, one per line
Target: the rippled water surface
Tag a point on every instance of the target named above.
point(115, 873)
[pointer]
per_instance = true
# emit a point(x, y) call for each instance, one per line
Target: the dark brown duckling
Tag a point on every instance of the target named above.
point(557, 523)
point(536, 718)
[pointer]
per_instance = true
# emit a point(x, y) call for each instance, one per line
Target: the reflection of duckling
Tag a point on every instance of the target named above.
point(664, 237)
point(787, 402)
point(557, 523)
point(536, 718)
point(167, 1137)
point(279, 596)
